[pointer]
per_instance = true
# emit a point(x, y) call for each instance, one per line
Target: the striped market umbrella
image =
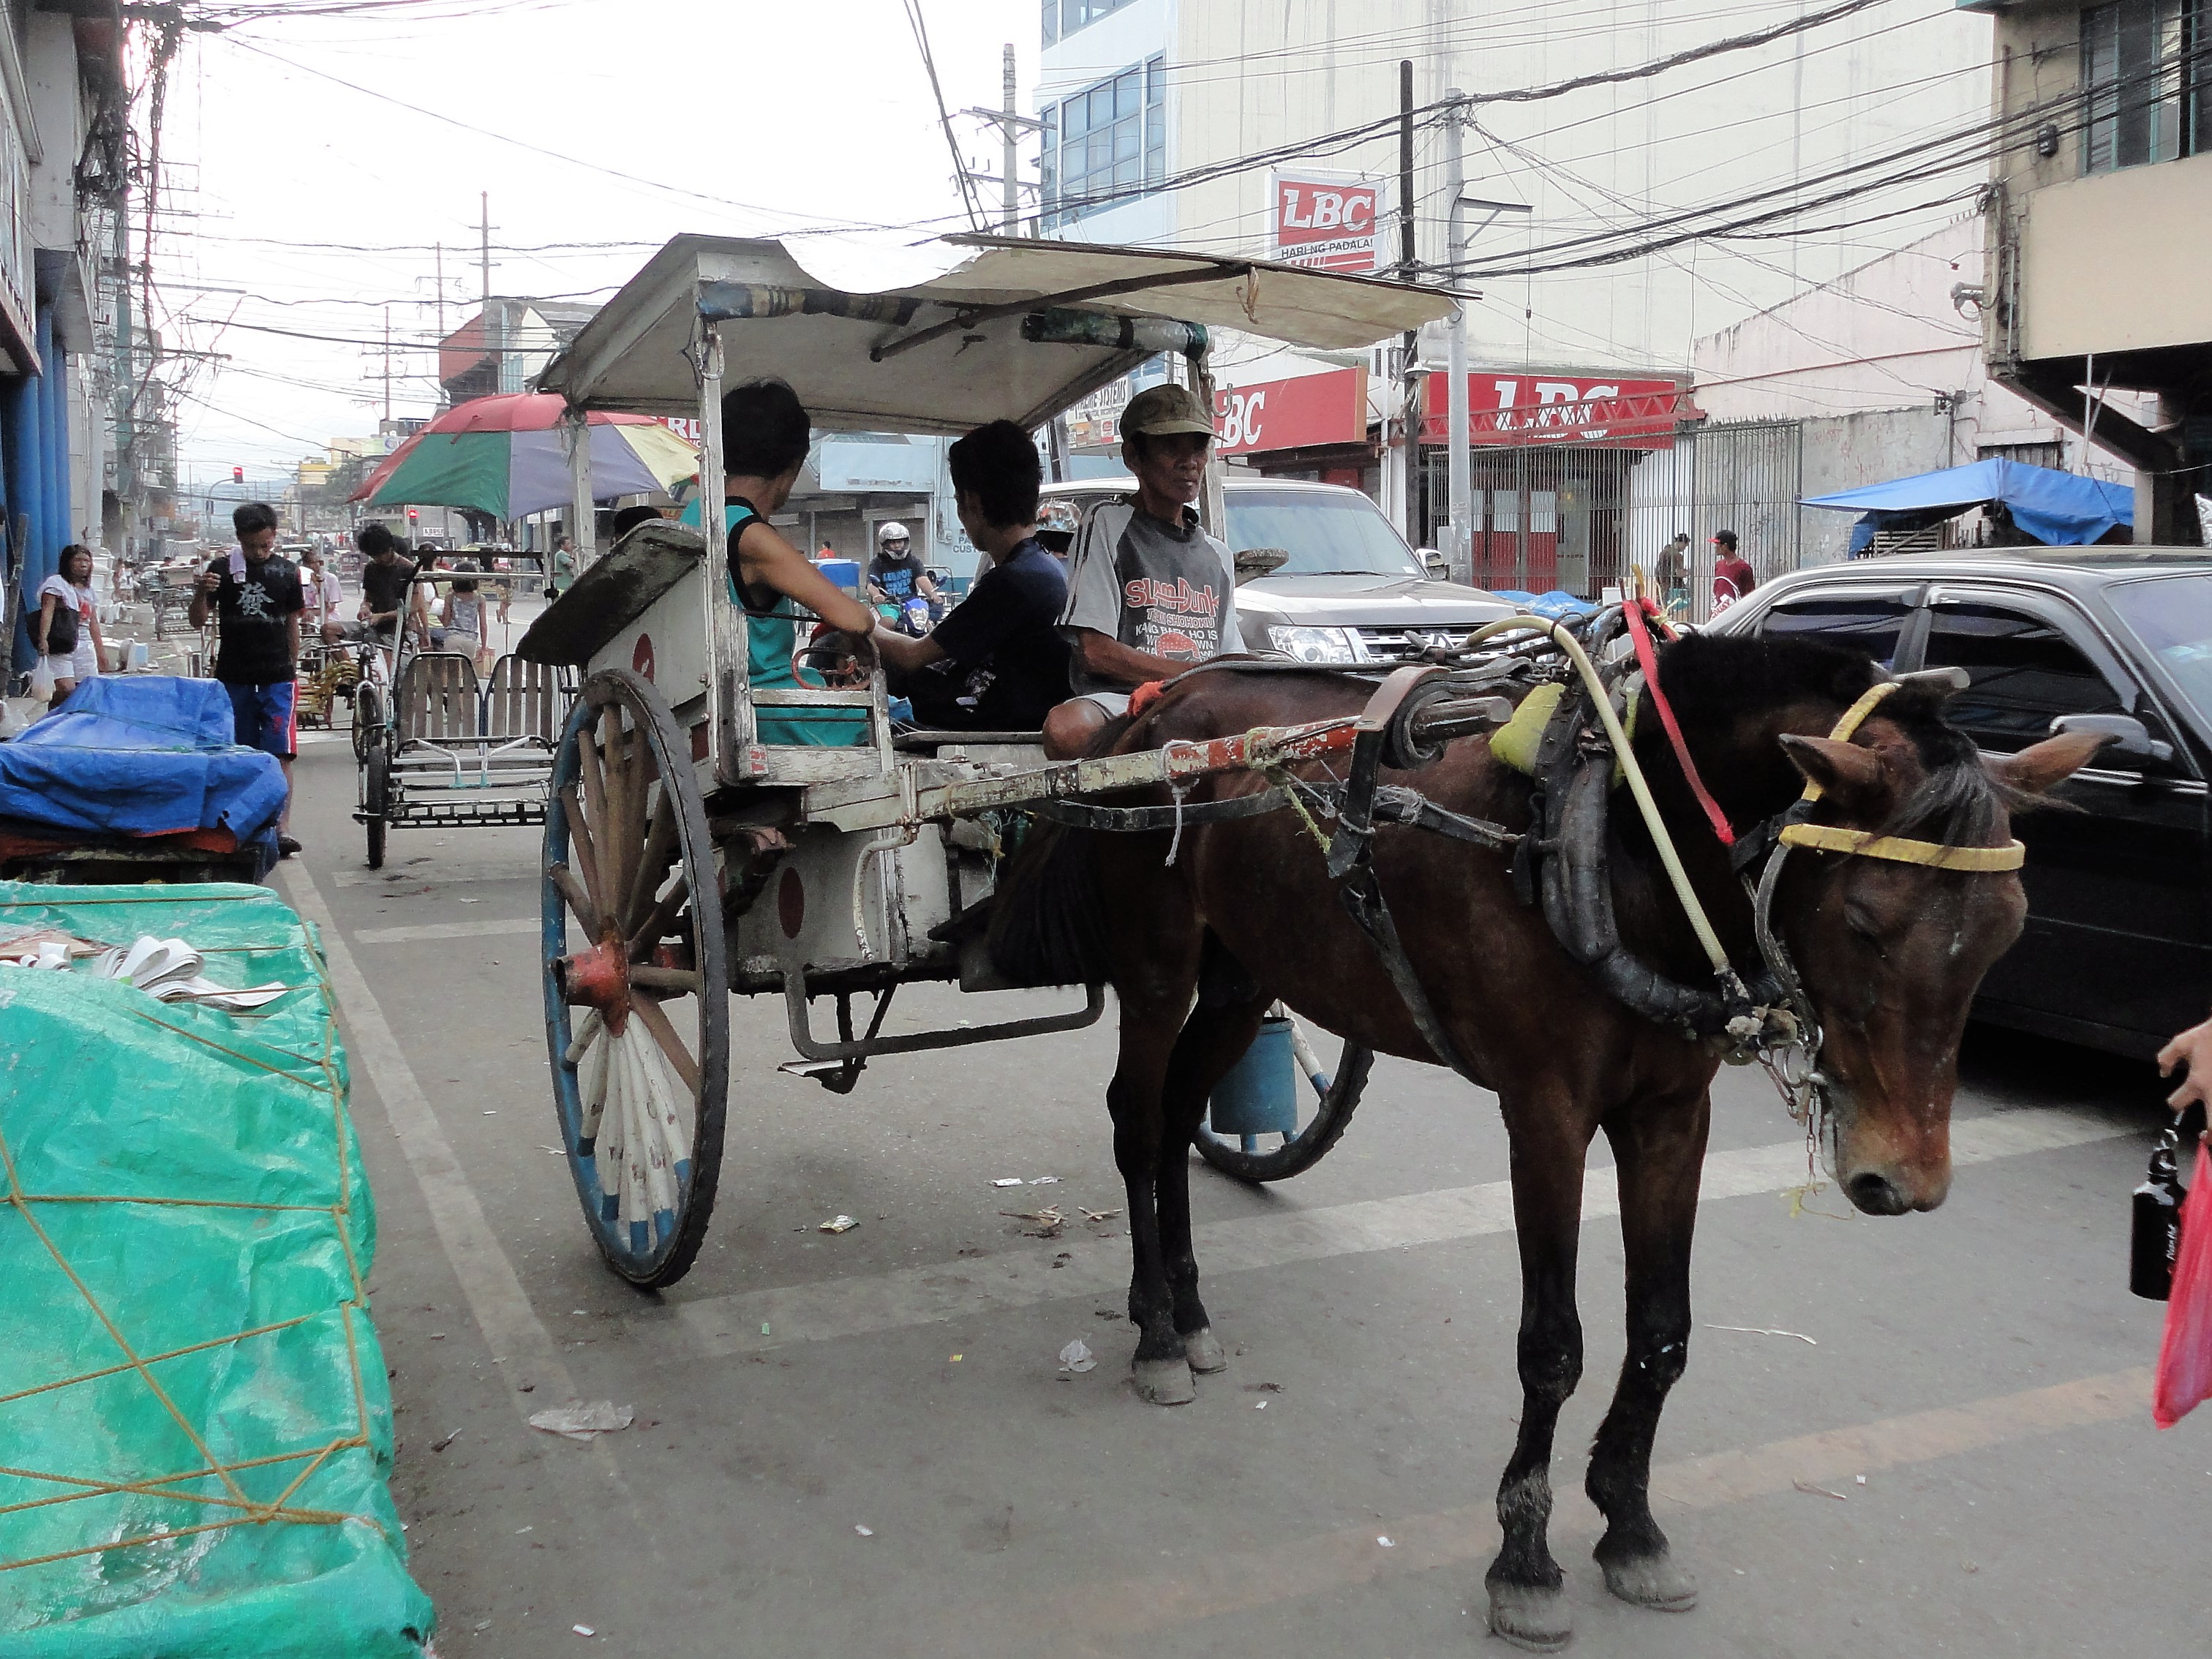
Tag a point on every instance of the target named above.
point(505, 456)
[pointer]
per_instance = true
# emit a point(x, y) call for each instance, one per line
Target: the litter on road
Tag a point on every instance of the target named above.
point(1076, 1356)
point(1762, 1330)
point(839, 1224)
point(579, 1420)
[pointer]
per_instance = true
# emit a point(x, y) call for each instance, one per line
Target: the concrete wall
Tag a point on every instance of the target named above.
point(2117, 261)
point(1845, 451)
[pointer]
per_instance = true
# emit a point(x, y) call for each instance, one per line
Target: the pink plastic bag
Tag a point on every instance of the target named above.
point(2184, 1358)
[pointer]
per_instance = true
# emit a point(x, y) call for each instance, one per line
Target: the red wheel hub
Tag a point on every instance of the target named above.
point(597, 978)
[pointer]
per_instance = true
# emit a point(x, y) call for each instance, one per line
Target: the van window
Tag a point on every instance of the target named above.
point(2024, 673)
point(1872, 623)
point(1326, 532)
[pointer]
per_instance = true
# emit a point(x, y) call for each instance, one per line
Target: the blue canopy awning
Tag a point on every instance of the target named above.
point(2060, 508)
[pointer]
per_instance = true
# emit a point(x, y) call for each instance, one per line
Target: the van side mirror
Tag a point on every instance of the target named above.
point(2132, 748)
point(1260, 562)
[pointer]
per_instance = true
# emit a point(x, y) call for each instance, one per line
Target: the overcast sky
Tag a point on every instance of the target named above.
point(745, 117)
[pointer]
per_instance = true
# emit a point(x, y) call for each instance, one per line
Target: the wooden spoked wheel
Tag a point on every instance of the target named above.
point(1324, 1113)
point(637, 1003)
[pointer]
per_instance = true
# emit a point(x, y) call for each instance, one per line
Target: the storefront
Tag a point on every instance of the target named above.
point(1553, 457)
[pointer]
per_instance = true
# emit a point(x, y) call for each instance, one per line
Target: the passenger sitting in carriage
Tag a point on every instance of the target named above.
point(1149, 593)
point(765, 438)
point(997, 662)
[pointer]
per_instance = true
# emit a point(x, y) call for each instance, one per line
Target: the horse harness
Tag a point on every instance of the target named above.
point(1561, 862)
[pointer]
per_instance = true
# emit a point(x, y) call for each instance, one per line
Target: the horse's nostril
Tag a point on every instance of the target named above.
point(1876, 1194)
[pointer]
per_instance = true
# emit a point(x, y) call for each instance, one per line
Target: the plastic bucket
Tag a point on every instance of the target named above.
point(1260, 1095)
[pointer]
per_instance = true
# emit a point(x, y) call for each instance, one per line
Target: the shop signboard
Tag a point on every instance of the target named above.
point(1294, 414)
point(1326, 221)
point(1518, 410)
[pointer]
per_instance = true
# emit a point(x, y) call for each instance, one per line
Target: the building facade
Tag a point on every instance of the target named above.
point(1149, 106)
point(2095, 298)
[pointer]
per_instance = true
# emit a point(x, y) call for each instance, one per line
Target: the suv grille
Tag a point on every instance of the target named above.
point(1402, 645)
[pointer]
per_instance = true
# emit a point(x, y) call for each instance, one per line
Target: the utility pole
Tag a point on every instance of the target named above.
point(387, 363)
point(1458, 465)
point(441, 290)
point(1011, 124)
point(484, 256)
point(1409, 424)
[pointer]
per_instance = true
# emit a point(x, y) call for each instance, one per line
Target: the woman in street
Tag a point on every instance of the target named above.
point(67, 624)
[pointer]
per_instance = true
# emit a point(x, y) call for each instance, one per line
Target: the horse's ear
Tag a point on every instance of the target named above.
point(2039, 767)
point(1851, 775)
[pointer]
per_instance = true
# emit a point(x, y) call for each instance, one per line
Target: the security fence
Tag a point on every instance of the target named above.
point(1577, 517)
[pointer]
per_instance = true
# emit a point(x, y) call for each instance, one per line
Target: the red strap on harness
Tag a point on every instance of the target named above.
point(1648, 659)
point(1145, 696)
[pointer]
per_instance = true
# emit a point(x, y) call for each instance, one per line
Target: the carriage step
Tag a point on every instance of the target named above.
point(838, 1076)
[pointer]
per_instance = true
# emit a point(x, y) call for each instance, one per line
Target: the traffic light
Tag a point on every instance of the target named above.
point(412, 516)
point(238, 475)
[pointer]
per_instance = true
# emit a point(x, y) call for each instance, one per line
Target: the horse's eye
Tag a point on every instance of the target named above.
point(1862, 925)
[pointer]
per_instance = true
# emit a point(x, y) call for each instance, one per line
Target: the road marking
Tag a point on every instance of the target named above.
point(829, 1308)
point(487, 1278)
point(435, 871)
point(1217, 1582)
point(444, 930)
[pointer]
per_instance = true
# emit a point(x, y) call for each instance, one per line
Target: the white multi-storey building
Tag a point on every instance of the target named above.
point(1151, 106)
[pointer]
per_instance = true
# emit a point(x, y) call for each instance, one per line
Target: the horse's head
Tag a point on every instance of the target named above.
point(1891, 951)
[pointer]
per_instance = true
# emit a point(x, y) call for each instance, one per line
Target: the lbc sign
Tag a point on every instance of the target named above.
point(1294, 414)
point(1329, 221)
point(1516, 410)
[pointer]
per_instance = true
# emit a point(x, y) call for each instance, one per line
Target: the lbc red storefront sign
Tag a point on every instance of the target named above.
point(1295, 414)
point(1329, 221)
point(1515, 410)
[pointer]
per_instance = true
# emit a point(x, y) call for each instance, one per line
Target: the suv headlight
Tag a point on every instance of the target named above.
point(1319, 644)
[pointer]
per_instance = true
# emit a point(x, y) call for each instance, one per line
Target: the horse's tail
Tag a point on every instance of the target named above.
point(1049, 914)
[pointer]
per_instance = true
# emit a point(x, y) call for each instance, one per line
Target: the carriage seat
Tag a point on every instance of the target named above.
point(1017, 749)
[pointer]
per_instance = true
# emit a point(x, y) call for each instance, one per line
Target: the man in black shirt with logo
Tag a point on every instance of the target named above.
point(384, 579)
point(256, 600)
point(997, 662)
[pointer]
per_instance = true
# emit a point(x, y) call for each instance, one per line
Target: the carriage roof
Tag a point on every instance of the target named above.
point(931, 337)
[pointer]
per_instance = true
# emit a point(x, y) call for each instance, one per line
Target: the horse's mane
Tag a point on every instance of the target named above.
point(1712, 680)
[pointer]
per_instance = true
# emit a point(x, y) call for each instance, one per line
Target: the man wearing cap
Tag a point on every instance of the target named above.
point(1733, 577)
point(1149, 594)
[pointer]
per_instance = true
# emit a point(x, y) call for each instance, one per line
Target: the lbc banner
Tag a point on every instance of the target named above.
point(1327, 221)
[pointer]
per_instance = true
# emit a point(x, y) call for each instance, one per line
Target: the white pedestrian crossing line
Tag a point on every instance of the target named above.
point(830, 1308)
point(430, 930)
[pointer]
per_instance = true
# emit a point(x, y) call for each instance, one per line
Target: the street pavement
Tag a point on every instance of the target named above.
point(1916, 1436)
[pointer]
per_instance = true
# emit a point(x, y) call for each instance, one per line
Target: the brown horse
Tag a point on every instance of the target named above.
point(1890, 955)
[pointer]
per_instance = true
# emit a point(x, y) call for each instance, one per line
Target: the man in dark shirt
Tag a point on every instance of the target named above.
point(997, 662)
point(385, 578)
point(256, 600)
point(896, 575)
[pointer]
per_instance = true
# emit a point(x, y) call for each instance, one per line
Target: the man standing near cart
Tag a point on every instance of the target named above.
point(1149, 593)
point(255, 598)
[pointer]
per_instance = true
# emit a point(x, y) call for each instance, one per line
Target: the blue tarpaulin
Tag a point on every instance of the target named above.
point(2059, 509)
point(141, 755)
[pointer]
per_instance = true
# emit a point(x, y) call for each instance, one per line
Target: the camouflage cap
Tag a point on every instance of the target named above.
point(1160, 410)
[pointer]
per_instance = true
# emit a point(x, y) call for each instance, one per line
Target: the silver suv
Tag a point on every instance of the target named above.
point(1351, 591)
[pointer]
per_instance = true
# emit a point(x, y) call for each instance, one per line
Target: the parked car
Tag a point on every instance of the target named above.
point(2117, 951)
point(1350, 590)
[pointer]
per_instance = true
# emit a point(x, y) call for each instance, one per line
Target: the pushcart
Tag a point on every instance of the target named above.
point(685, 858)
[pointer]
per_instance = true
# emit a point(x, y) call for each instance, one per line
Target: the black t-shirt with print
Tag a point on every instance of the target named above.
point(255, 646)
point(384, 587)
point(1005, 663)
point(897, 577)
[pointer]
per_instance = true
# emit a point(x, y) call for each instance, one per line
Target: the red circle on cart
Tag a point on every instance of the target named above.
point(641, 659)
point(791, 903)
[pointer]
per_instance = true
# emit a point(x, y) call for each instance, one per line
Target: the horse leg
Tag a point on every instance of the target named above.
point(1660, 1150)
point(1527, 1607)
point(1152, 1013)
point(1212, 1041)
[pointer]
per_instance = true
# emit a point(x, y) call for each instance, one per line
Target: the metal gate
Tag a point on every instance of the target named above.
point(1577, 517)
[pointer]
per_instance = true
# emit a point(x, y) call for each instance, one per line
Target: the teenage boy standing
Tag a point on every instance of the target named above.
point(256, 600)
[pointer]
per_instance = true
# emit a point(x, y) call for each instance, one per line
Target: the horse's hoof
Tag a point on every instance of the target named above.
point(1165, 1382)
point(1204, 1351)
point(1652, 1581)
point(1538, 1620)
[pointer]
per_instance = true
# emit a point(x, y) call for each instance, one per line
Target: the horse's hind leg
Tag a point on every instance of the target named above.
point(1527, 1605)
point(1660, 1149)
point(1214, 1038)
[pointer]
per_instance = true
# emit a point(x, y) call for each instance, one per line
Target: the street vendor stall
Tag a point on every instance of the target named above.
point(2059, 510)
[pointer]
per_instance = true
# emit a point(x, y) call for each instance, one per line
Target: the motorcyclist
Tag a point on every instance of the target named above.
point(896, 576)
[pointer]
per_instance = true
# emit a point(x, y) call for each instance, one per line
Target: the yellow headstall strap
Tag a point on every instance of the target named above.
point(1853, 717)
point(1829, 838)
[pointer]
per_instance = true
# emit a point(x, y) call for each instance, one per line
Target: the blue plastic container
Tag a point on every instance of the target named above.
point(842, 573)
point(1260, 1096)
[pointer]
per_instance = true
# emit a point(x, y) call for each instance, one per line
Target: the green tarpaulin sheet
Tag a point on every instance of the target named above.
point(194, 1429)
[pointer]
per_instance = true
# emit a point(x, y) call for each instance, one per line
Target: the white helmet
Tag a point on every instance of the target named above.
point(891, 530)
